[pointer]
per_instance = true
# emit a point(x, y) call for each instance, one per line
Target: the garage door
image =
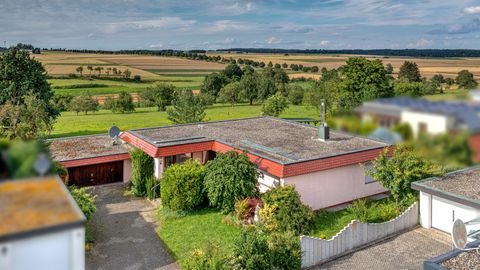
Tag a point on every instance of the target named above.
point(97, 174)
point(444, 212)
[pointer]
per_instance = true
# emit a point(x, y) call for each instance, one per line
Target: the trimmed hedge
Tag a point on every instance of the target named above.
point(142, 169)
point(182, 186)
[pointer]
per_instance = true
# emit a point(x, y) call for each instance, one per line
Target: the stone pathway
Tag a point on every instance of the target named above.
point(405, 251)
point(124, 233)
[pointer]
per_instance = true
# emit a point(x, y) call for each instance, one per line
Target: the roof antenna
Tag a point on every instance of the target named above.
point(323, 129)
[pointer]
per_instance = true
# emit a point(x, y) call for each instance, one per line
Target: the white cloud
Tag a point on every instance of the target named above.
point(472, 10)
point(158, 45)
point(165, 22)
point(227, 25)
point(272, 40)
point(324, 42)
point(420, 43)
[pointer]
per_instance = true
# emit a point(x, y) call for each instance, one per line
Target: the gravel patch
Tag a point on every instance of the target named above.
point(464, 261)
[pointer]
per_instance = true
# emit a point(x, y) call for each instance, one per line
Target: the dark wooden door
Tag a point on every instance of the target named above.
point(97, 174)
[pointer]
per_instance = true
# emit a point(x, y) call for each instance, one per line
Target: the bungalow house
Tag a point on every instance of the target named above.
point(41, 226)
point(326, 171)
point(454, 196)
point(424, 116)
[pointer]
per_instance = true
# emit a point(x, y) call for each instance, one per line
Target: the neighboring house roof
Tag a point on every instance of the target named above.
point(34, 206)
point(461, 186)
point(276, 139)
point(466, 113)
point(85, 150)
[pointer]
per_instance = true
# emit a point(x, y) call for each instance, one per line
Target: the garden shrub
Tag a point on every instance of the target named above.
point(267, 217)
point(285, 251)
point(210, 258)
point(251, 251)
point(152, 186)
point(84, 200)
point(259, 250)
point(142, 169)
point(230, 177)
point(292, 214)
point(245, 210)
point(182, 186)
point(359, 210)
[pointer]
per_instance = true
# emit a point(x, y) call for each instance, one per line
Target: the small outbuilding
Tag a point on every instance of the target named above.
point(445, 199)
point(92, 160)
point(41, 226)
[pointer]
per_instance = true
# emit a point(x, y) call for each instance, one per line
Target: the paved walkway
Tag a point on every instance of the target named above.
point(406, 251)
point(124, 233)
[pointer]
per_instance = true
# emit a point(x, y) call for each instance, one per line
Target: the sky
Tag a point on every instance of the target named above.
point(210, 24)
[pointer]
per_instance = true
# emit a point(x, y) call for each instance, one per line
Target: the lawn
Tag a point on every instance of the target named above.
point(327, 224)
point(183, 234)
point(449, 95)
point(70, 124)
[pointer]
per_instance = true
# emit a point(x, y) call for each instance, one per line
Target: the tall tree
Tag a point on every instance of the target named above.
point(231, 93)
point(84, 103)
point(275, 105)
point(22, 79)
point(160, 94)
point(187, 108)
point(466, 80)
point(123, 103)
point(213, 83)
point(25, 121)
point(363, 80)
point(409, 71)
point(233, 71)
point(249, 84)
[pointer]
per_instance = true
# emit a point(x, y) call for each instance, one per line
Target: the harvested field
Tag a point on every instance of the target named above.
point(449, 67)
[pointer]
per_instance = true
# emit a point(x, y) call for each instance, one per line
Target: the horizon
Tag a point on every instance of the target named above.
point(329, 25)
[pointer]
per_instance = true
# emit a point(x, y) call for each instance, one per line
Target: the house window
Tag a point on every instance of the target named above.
point(367, 167)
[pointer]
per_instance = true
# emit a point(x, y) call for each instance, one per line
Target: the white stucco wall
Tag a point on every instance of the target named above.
point(127, 170)
point(158, 167)
point(435, 123)
point(54, 251)
point(332, 187)
point(267, 182)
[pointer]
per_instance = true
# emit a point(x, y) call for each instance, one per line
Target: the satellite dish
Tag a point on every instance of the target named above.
point(42, 164)
point(113, 132)
point(459, 234)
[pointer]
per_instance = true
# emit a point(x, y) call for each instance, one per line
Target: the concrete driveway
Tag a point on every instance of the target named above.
point(405, 251)
point(124, 233)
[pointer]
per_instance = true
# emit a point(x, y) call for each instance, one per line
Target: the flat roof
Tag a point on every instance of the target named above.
point(276, 139)
point(81, 147)
point(33, 206)
point(461, 186)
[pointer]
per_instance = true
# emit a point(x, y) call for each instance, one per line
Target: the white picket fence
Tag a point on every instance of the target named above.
point(355, 235)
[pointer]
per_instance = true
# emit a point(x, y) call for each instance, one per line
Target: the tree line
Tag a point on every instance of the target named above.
point(384, 52)
point(110, 72)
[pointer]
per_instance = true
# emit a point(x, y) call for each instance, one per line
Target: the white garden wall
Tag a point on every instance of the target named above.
point(354, 236)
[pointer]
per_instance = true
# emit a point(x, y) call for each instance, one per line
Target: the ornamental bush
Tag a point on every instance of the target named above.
point(142, 169)
point(152, 186)
point(259, 250)
point(213, 257)
point(84, 200)
point(230, 177)
point(182, 186)
point(291, 214)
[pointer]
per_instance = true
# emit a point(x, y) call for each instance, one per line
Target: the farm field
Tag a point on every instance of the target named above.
point(183, 73)
point(189, 74)
point(70, 124)
point(449, 67)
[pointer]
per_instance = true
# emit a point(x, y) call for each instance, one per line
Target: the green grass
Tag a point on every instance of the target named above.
point(327, 224)
point(454, 94)
point(183, 234)
point(73, 86)
point(182, 70)
point(70, 124)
